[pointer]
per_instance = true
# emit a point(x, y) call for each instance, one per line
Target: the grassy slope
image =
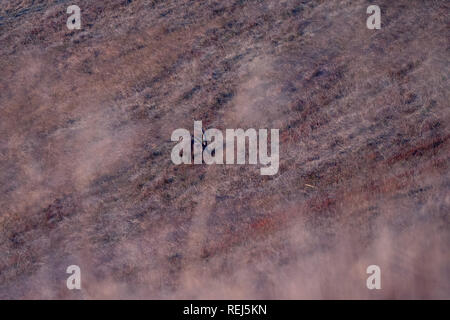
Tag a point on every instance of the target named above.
point(85, 169)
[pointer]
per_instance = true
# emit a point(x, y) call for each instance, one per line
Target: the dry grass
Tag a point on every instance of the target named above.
point(85, 170)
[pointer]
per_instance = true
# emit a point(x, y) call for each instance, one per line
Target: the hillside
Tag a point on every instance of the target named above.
point(86, 176)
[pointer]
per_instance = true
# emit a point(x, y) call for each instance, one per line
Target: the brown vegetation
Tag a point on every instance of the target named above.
point(85, 170)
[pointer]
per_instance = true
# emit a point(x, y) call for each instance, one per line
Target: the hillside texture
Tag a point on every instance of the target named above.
point(86, 176)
